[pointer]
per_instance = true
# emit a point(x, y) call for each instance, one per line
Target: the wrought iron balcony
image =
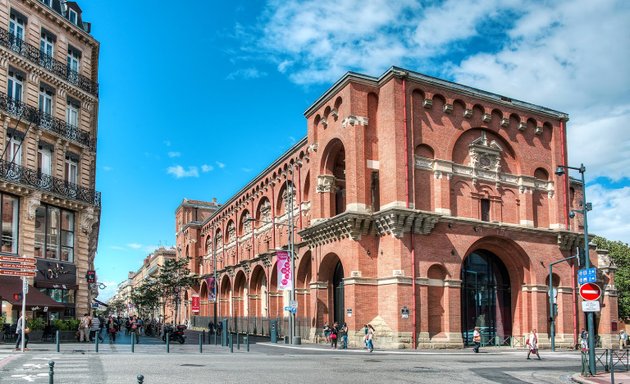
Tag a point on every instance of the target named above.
point(34, 55)
point(45, 121)
point(18, 174)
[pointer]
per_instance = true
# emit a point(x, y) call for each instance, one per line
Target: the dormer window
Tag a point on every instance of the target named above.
point(73, 16)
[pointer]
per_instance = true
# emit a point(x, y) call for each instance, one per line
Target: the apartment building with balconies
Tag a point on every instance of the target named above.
point(49, 113)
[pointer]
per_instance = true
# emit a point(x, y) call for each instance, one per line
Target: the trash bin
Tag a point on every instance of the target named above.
point(286, 339)
point(297, 340)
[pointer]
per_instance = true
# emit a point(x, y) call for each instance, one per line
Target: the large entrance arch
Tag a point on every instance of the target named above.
point(486, 297)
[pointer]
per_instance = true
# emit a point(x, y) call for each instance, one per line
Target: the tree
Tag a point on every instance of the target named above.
point(620, 254)
point(174, 278)
point(115, 306)
point(146, 297)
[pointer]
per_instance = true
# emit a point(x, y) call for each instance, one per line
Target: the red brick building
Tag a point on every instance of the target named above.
point(422, 206)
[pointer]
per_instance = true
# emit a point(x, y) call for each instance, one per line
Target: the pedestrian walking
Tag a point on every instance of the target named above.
point(365, 337)
point(21, 324)
point(84, 328)
point(135, 328)
point(112, 329)
point(95, 329)
point(623, 339)
point(476, 339)
point(370, 337)
point(532, 344)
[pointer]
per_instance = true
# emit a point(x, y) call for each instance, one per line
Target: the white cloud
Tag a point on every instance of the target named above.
point(107, 168)
point(609, 217)
point(246, 170)
point(111, 287)
point(206, 168)
point(134, 245)
point(179, 172)
point(220, 164)
point(246, 73)
point(174, 154)
point(117, 248)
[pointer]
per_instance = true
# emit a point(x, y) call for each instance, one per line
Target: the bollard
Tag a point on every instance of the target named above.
point(133, 342)
point(247, 342)
point(200, 345)
point(168, 349)
point(140, 379)
point(96, 342)
point(203, 334)
point(238, 342)
point(51, 372)
point(215, 337)
point(612, 368)
point(57, 339)
point(231, 344)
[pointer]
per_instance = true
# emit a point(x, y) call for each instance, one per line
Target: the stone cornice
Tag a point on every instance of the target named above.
point(346, 225)
point(398, 221)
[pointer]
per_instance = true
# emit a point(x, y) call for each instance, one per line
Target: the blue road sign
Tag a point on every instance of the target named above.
point(587, 275)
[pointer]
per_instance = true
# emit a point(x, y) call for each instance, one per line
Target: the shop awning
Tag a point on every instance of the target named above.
point(34, 298)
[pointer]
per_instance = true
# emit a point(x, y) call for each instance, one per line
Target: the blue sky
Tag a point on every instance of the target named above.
point(197, 100)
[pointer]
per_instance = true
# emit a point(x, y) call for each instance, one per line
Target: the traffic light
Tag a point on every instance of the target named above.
point(17, 296)
point(91, 277)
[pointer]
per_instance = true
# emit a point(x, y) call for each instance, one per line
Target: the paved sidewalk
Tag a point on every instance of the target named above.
point(603, 378)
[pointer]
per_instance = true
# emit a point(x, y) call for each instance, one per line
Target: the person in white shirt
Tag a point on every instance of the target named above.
point(532, 343)
point(95, 329)
point(18, 331)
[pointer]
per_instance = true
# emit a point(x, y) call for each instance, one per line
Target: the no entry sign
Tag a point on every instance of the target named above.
point(590, 291)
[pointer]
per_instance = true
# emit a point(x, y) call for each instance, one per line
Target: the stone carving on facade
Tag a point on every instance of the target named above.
point(231, 232)
point(32, 202)
point(247, 223)
point(354, 120)
point(88, 219)
point(568, 241)
point(326, 183)
point(312, 148)
point(265, 211)
point(286, 195)
point(447, 108)
point(485, 155)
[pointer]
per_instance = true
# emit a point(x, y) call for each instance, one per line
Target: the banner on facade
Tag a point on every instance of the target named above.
point(195, 303)
point(212, 290)
point(284, 270)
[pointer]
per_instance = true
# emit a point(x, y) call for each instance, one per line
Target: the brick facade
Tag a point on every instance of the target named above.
point(399, 180)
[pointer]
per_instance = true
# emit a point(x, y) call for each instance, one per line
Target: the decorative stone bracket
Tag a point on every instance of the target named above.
point(326, 183)
point(354, 120)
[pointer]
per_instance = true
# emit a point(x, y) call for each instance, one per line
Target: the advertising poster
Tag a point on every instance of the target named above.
point(284, 270)
point(212, 290)
point(195, 303)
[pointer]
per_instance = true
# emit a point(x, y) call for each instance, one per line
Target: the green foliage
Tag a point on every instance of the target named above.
point(66, 325)
point(620, 254)
point(115, 306)
point(175, 277)
point(146, 297)
point(36, 324)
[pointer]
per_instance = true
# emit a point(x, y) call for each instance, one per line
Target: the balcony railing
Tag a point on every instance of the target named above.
point(34, 55)
point(45, 121)
point(18, 174)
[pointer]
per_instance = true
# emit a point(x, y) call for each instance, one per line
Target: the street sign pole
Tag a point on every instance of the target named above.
point(24, 291)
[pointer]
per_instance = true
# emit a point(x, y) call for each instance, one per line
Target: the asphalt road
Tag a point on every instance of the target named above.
point(267, 363)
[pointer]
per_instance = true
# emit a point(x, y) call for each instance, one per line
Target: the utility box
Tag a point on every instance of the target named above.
point(273, 330)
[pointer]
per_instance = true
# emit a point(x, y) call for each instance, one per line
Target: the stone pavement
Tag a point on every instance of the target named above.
point(603, 378)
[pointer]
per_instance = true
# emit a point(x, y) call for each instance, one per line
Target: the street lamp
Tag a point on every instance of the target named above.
point(291, 249)
point(560, 171)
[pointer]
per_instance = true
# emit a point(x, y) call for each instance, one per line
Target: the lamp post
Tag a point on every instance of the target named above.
point(291, 249)
point(560, 171)
point(214, 284)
